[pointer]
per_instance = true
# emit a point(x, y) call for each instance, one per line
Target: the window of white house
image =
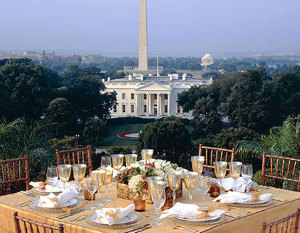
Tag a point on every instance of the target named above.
point(145, 108)
point(166, 96)
point(132, 96)
point(123, 108)
point(145, 96)
point(115, 108)
point(166, 108)
point(132, 108)
point(123, 96)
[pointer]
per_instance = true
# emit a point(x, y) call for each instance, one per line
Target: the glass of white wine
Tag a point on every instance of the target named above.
point(64, 173)
point(247, 173)
point(79, 174)
point(220, 171)
point(235, 171)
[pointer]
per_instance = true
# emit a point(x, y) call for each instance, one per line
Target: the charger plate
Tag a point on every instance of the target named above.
point(251, 204)
point(33, 205)
point(200, 223)
point(140, 219)
point(43, 193)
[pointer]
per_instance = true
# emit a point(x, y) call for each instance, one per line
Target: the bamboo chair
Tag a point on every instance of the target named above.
point(213, 154)
point(29, 226)
point(285, 169)
point(75, 156)
point(289, 224)
point(14, 171)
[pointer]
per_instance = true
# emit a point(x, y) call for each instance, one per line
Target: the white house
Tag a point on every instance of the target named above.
point(149, 96)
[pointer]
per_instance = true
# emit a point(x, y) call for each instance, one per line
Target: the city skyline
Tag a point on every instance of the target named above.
point(221, 28)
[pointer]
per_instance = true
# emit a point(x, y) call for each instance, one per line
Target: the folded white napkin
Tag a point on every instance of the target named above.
point(233, 197)
point(187, 211)
point(241, 184)
point(53, 185)
point(112, 216)
point(53, 201)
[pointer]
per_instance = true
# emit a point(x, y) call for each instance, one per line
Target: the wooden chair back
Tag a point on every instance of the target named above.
point(281, 168)
point(75, 156)
point(289, 224)
point(15, 171)
point(31, 226)
point(213, 154)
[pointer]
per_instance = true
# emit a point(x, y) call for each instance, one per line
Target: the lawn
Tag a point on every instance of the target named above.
point(113, 140)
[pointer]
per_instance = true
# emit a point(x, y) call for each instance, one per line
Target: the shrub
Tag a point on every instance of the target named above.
point(94, 130)
point(68, 142)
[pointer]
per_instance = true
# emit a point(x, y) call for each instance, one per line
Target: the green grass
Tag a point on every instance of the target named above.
point(113, 140)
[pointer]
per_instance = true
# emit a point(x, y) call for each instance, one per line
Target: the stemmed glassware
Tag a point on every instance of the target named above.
point(79, 174)
point(174, 180)
point(150, 181)
point(51, 173)
point(220, 171)
point(190, 182)
point(197, 165)
point(91, 186)
point(117, 161)
point(147, 154)
point(130, 159)
point(235, 171)
point(64, 173)
point(204, 185)
point(99, 176)
point(107, 181)
point(247, 173)
point(158, 195)
point(105, 162)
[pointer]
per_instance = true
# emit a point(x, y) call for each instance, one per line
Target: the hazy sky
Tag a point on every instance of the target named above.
point(175, 27)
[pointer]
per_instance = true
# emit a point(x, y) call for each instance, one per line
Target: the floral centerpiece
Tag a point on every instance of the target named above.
point(132, 181)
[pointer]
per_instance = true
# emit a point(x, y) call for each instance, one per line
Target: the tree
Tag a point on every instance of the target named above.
point(87, 96)
point(62, 115)
point(169, 139)
point(94, 130)
point(25, 89)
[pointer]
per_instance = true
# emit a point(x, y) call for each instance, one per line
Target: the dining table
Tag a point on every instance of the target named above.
point(285, 203)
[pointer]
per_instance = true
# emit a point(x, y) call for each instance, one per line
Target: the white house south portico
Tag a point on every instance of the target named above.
point(148, 96)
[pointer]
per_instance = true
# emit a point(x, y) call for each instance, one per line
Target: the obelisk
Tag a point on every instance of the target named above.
point(143, 41)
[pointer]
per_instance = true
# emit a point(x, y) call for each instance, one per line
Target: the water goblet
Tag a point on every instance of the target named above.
point(150, 181)
point(190, 182)
point(235, 171)
point(197, 165)
point(107, 181)
point(247, 173)
point(99, 176)
point(220, 171)
point(174, 180)
point(91, 186)
point(105, 162)
point(130, 159)
point(51, 173)
point(79, 174)
point(204, 185)
point(158, 195)
point(64, 173)
point(117, 161)
point(147, 155)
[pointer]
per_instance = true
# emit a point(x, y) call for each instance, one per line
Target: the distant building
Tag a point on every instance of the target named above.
point(149, 96)
point(207, 60)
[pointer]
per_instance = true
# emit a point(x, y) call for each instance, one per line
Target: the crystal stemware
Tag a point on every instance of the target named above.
point(150, 181)
point(158, 195)
point(117, 161)
point(204, 185)
point(105, 161)
point(197, 165)
point(51, 173)
point(190, 182)
point(130, 159)
point(220, 171)
point(91, 186)
point(147, 154)
point(99, 176)
point(174, 180)
point(107, 181)
point(235, 171)
point(79, 174)
point(247, 173)
point(64, 173)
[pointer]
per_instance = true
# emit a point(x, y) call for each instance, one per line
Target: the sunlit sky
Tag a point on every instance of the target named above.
point(175, 27)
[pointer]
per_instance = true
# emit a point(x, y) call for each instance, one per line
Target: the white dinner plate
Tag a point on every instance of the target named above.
point(208, 218)
point(70, 203)
point(129, 219)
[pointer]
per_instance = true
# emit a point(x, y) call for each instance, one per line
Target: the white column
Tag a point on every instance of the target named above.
point(169, 104)
point(147, 105)
point(158, 105)
point(137, 105)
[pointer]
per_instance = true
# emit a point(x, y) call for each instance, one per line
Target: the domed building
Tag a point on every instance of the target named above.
point(207, 60)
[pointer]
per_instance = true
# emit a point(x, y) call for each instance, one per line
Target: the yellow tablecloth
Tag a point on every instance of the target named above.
point(245, 224)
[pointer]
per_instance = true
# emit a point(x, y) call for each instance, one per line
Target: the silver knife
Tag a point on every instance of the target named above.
point(142, 229)
point(134, 228)
point(69, 214)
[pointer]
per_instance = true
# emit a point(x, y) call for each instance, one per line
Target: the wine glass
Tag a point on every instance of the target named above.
point(147, 154)
point(174, 179)
point(117, 161)
point(91, 186)
point(64, 173)
point(204, 185)
point(130, 159)
point(105, 162)
point(197, 165)
point(99, 176)
point(235, 171)
point(79, 174)
point(107, 181)
point(158, 195)
point(190, 182)
point(150, 181)
point(220, 171)
point(247, 173)
point(51, 173)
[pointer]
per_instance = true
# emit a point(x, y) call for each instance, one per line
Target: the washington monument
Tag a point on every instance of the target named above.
point(143, 41)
